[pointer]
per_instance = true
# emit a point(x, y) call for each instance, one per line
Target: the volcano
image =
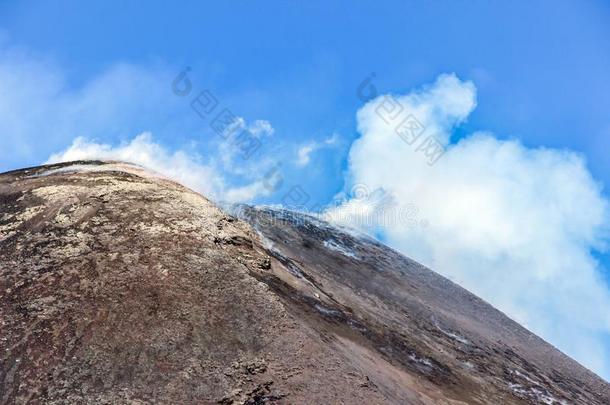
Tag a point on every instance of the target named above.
point(118, 285)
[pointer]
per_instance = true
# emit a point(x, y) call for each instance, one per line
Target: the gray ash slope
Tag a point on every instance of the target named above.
point(420, 320)
point(119, 286)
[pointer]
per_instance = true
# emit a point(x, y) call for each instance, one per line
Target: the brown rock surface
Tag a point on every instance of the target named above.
point(118, 286)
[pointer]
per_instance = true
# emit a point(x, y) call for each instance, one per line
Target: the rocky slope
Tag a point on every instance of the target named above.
point(119, 286)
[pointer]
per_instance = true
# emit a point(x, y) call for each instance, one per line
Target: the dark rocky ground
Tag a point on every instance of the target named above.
point(117, 286)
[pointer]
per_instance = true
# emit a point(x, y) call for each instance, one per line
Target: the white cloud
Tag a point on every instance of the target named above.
point(182, 166)
point(240, 143)
point(42, 110)
point(305, 151)
point(514, 225)
point(261, 128)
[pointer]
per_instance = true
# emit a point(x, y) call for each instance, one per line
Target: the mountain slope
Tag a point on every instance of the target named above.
point(117, 285)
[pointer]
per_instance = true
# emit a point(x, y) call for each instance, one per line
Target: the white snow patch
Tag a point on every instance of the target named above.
point(420, 360)
point(326, 311)
point(338, 248)
point(537, 392)
point(524, 376)
point(452, 335)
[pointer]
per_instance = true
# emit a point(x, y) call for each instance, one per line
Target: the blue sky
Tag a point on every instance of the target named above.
point(541, 69)
point(104, 70)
